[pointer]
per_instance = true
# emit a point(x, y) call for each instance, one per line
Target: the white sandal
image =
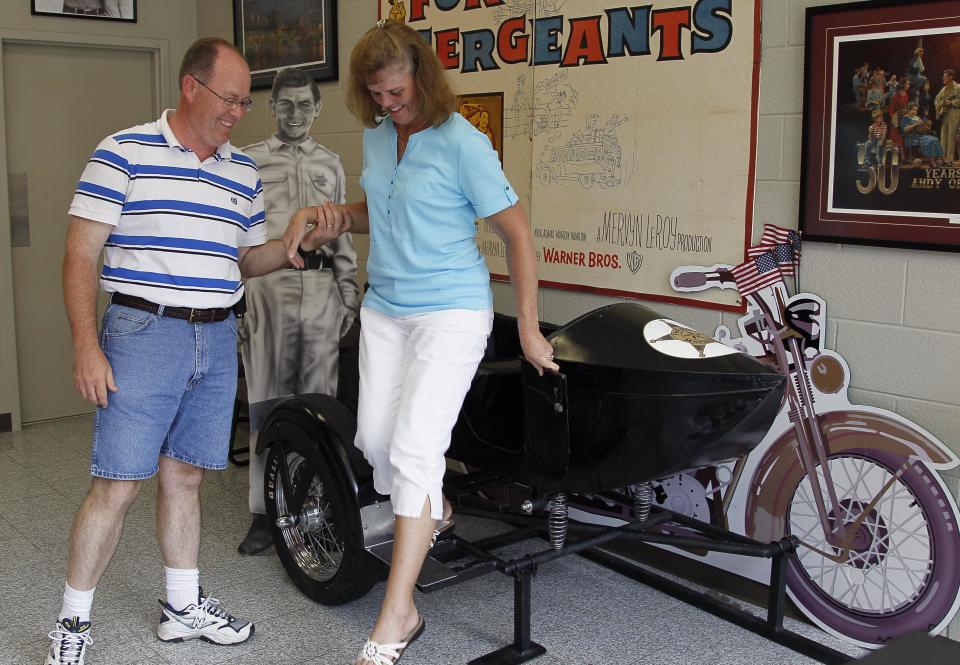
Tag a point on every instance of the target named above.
point(444, 527)
point(389, 654)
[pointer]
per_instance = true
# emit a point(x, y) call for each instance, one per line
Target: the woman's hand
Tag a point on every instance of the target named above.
point(538, 351)
point(310, 228)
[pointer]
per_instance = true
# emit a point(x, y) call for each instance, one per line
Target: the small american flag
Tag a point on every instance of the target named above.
point(757, 273)
point(784, 254)
point(777, 235)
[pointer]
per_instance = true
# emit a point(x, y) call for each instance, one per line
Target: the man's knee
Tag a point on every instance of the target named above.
point(177, 476)
point(113, 495)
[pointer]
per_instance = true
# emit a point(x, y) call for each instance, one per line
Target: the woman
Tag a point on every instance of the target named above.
point(914, 129)
point(427, 175)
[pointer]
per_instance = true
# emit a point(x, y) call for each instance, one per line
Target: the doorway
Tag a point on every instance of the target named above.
point(60, 100)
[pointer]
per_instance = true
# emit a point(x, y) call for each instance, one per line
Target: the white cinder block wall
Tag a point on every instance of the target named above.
point(893, 314)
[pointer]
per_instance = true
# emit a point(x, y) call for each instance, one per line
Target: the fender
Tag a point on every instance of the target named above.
point(333, 427)
point(780, 469)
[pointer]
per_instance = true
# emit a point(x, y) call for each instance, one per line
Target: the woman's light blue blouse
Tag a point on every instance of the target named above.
point(423, 251)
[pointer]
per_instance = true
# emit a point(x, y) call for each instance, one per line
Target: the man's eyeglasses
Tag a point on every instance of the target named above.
point(230, 102)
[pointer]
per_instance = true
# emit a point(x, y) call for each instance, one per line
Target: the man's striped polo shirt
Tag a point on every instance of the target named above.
point(178, 222)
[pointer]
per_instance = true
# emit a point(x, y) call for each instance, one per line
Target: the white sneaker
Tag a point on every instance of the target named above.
point(68, 641)
point(206, 620)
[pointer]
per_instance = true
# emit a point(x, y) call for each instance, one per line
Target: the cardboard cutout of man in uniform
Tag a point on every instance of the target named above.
point(295, 318)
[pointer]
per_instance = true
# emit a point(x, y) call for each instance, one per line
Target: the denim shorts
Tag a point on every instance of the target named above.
point(176, 386)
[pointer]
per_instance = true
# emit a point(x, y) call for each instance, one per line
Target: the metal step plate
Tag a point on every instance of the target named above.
point(431, 574)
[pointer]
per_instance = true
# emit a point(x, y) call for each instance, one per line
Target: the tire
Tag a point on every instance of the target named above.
point(546, 176)
point(902, 574)
point(323, 551)
point(586, 181)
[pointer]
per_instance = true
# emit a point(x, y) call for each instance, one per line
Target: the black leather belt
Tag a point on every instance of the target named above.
point(190, 314)
point(315, 261)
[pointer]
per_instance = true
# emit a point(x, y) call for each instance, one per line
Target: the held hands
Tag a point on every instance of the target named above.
point(538, 351)
point(313, 227)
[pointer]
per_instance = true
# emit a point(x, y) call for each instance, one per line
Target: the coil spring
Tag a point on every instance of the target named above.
point(557, 521)
point(642, 500)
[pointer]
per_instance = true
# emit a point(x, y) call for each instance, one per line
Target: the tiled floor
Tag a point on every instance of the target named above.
point(582, 613)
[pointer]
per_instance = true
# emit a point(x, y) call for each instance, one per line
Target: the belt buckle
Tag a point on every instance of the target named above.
point(197, 316)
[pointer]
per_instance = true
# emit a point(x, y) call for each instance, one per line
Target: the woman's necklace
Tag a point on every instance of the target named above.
point(413, 129)
point(404, 136)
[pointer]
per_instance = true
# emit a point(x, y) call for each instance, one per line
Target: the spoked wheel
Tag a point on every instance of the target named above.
point(897, 572)
point(316, 527)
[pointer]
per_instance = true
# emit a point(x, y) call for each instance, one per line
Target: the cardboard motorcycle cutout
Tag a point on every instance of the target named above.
point(879, 545)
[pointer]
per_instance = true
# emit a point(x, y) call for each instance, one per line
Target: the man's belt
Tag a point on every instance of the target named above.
point(190, 314)
point(315, 261)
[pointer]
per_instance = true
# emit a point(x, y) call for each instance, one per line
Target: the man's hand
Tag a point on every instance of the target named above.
point(93, 376)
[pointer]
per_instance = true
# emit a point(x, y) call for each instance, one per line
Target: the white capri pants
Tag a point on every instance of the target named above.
point(414, 374)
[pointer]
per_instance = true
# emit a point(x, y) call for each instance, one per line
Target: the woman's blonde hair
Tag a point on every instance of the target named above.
point(393, 44)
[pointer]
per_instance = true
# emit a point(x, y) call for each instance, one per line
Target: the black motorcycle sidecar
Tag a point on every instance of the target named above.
point(622, 410)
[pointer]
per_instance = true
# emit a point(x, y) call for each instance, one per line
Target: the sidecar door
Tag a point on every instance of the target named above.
point(546, 425)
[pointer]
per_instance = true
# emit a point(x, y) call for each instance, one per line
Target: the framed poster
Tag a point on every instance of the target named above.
point(108, 10)
point(273, 35)
point(881, 153)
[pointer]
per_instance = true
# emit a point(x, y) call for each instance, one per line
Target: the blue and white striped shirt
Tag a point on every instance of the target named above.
point(178, 222)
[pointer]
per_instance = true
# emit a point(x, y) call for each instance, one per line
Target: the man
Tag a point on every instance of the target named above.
point(947, 107)
point(178, 216)
point(295, 318)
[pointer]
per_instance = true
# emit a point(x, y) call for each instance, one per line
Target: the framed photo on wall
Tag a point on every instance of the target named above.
point(881, 124)
point(108, 10)
point(274, 35)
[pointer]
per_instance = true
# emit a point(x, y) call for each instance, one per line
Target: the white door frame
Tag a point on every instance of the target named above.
point(160, 52)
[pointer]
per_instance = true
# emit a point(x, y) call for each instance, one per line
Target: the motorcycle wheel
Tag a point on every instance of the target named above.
point(902, 574)
point(322, 550)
